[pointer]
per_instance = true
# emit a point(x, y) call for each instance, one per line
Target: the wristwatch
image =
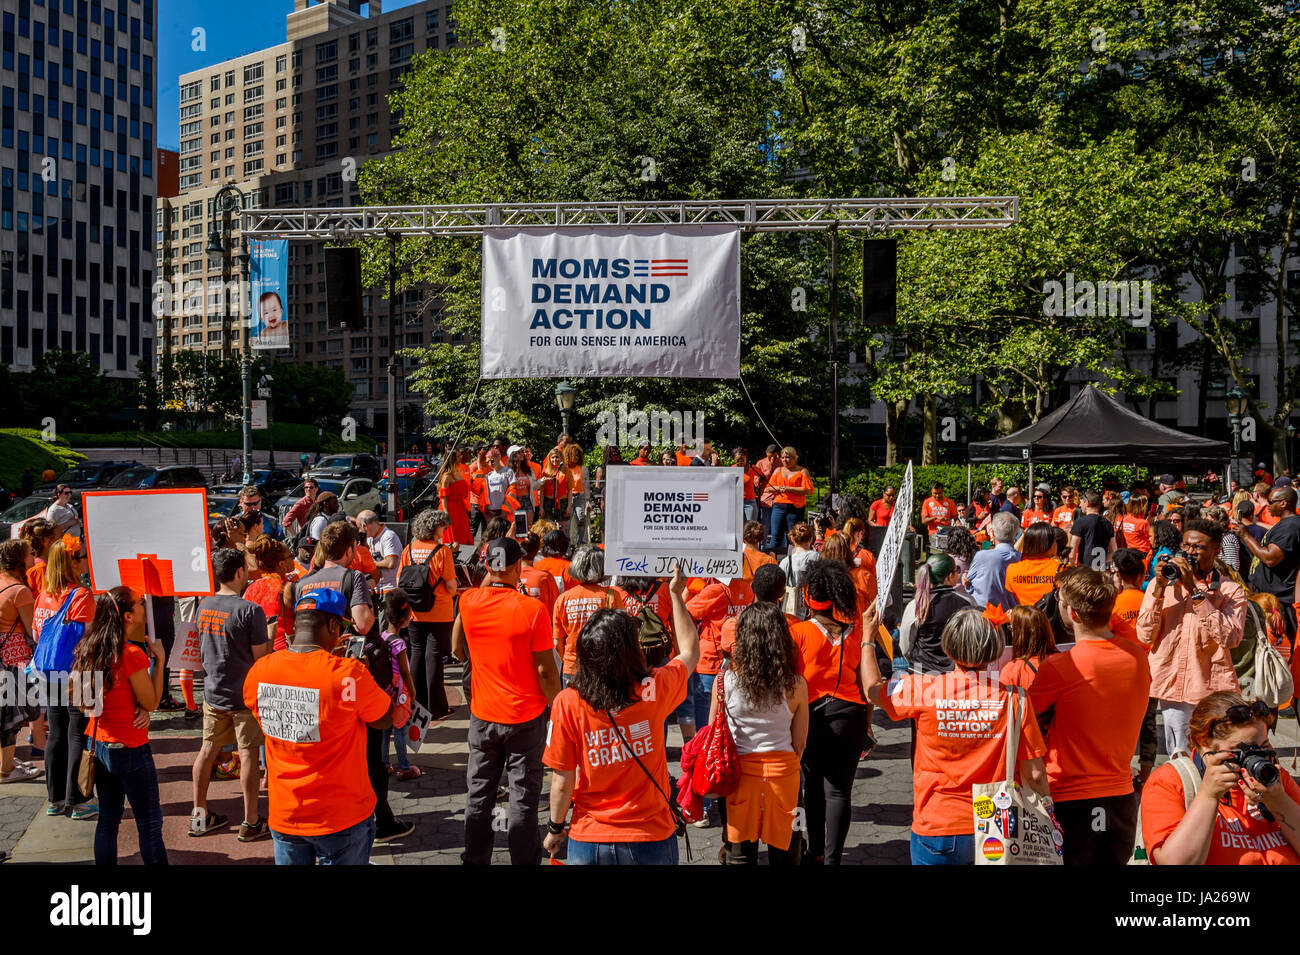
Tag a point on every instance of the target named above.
point(554, 828)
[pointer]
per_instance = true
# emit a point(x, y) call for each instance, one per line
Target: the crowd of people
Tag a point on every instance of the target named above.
point(1071, 620)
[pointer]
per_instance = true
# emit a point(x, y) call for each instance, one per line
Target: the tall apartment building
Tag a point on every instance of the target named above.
point(77, 181)
point(289, 126)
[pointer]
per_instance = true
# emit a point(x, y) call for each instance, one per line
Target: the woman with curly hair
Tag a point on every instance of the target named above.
point(767, 710)
point(272, 562)
point(831, 651)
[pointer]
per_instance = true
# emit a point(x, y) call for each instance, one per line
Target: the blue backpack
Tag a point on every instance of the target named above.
point(58, 641)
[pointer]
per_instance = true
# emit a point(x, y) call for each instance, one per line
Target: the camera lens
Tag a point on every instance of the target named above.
point(1263, 769)
point(1167, 570)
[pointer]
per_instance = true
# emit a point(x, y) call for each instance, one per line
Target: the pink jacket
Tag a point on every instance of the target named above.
point(1190, 640)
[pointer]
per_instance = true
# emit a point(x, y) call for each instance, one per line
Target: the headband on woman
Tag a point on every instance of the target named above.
point(823, 605)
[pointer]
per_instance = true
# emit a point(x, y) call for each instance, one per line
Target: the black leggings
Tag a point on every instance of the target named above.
point(378, 772)
point(63, 748)
point(837, 730)
point(429, 643)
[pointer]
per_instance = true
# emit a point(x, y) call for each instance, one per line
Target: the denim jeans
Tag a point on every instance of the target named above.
point(128, 774)
point(943, 850)
point(398, 736)
point(348, 847)
point(515, 749)
point(623, 853)
point(784, 517)
point(701, 691)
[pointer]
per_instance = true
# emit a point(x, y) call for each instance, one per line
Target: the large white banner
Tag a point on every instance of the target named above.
point(892, 547)
point(608, 301)
point(655, 515)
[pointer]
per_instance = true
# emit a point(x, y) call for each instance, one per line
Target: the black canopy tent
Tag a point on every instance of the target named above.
point(1094, 428)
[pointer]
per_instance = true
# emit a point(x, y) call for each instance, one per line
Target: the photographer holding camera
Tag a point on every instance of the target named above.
point(1191, 617)
point(1229, 803)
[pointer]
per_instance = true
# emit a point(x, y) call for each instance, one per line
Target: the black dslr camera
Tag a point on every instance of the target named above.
point(1259, 761)
point(1166, 565)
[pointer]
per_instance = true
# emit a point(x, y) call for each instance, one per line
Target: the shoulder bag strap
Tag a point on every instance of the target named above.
point(1190, 777)
point(1014, 695)
point(678, 819)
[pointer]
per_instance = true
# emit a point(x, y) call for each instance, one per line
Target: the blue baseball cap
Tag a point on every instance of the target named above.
point(324, 600)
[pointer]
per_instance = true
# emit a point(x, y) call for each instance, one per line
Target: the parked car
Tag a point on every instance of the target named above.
point(411, 467)
point(355, 494)
point(274, 484)
point(33, 505)
point(87, 476)
point(416, 494)
point(223, 501)
point(148, 478)
point(348, 465)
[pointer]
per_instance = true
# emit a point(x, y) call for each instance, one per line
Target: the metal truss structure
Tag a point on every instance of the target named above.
point(750, 215)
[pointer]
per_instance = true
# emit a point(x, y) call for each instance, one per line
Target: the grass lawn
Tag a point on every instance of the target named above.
point(23, 448)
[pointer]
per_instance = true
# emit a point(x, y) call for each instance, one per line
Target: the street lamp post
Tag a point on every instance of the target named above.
point(217, 245)
point(1235, 400)
point(564, 399)
point(264, 391)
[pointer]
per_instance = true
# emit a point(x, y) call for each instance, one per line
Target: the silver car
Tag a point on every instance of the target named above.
point(355, 494)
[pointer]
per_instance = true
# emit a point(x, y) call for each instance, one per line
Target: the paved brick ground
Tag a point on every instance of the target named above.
point(878, 835)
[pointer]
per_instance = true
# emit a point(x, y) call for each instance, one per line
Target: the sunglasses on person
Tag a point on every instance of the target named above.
point(67, 492)
point(1039, 497)
point(1241, 713)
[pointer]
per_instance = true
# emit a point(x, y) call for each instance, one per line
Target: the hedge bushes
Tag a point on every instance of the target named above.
point(870, 484)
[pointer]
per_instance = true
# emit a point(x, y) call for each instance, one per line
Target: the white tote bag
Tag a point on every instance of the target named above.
point(1014, 826)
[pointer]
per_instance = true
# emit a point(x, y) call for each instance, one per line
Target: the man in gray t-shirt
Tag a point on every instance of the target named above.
point(232, 634)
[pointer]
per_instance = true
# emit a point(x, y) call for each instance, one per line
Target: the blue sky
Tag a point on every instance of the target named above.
point(233, 28)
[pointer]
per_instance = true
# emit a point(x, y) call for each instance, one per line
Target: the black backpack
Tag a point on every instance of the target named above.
point(414, 579)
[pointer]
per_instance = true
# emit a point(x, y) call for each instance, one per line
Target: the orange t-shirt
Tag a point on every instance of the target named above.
point(575, 479)
point(36, 576)
point(1063, 517)
point(881, 513)
point(572, 611)
point(503, 629)
point(538, 583)
point(830, 668)
point(614, 800)
point(364, 563)
point(441, 568)
point(750, 475)
point(558, 568)
point(683, 460)
point(1137, 533)
point(1029, 518)
point(797, 477)
point(313, 708)
point(710, 608)
point(1021, 673)
point(1123, 619)
point(1029, 580)
point(1240, 837)
point(115, 723)
point(81, 610)
point(937, 512)
point(752, 559)
point(1100, 690)
point(961, 739)
point(475, 474)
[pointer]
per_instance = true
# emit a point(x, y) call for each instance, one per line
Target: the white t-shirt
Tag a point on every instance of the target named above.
point(497, 483)
point(387, 544)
